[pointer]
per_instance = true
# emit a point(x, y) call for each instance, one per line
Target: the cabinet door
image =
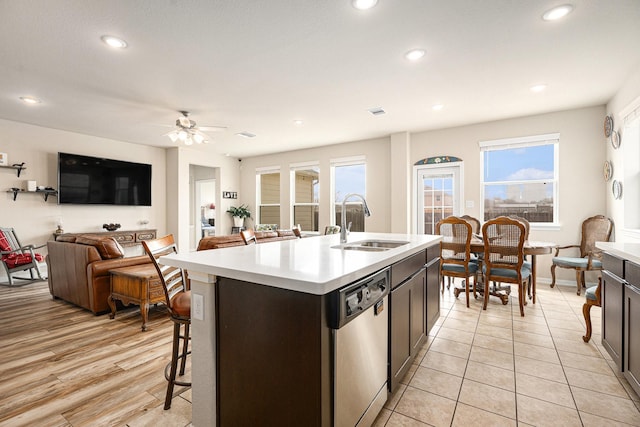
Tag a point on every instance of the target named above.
point(400, 338)
point(433, 293)
point(612, 316)
point(632, 336)
point(418, 323)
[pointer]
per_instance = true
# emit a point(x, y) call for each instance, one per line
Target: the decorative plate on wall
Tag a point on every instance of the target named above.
point(607, 172)
point(608, 126)
point(615, 139)
point(616, 188)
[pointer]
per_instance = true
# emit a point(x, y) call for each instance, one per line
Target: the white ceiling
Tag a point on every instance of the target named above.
point(258, 65)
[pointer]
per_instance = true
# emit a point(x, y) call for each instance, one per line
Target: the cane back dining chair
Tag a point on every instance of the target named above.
point(178, 302)
point(455, 252)
point(16, 258)
point(474, 222)
point(594, 229)
point(503, 261)
point(592, 295)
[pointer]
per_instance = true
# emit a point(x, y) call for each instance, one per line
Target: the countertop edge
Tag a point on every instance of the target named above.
point(627, 251)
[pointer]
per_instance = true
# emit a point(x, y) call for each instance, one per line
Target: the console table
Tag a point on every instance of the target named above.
point(136, 284)
point(126, 238)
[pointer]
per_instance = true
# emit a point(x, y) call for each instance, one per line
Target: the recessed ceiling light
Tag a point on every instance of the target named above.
point(538, 88)
point(114, 42)
point(246, 134)
point(364, 4)
point(437, 107)
point(298, 122)
point(414, 54)
point(557, 12)
point(31, 100)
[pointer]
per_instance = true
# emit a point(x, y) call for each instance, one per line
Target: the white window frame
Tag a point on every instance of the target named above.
point(292, 186)
point(259, 204)
point(523, 142)
point(344, 161)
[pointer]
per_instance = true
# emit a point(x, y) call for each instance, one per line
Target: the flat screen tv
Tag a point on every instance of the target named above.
point(86, 180)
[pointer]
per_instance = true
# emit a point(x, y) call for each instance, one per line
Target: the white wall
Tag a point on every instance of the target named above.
point(377, 180)
point(581, 151)
point(34, 219)
point(629, 94)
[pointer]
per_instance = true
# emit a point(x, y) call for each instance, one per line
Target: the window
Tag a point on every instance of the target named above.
point(268, 196)
point(348, 176)
point(304, 194)
point(520, 177)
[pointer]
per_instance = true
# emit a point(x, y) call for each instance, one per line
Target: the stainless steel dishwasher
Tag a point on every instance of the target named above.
point(359, 320)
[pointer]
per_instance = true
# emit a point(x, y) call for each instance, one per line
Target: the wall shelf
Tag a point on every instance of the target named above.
point(18, 167)
point(45, 193)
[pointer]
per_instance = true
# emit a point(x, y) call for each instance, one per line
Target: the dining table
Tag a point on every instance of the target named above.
point(531, 247)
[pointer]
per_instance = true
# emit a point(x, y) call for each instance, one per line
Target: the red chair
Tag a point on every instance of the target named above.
point(15, 257)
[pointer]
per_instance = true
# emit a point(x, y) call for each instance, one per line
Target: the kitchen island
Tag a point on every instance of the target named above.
point(261, 338)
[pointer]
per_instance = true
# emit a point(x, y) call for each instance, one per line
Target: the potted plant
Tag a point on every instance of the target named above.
point(239, 214)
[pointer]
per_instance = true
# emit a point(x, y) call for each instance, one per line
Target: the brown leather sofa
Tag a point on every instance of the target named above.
point(216, 242)
point(78, 268)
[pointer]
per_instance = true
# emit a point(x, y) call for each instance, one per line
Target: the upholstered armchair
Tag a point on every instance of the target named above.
point(594, 229)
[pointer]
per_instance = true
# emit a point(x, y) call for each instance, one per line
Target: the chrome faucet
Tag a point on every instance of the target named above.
point(343, 225)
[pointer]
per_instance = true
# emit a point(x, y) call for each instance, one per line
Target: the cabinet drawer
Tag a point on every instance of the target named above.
point(155, 290)
point(632, 273)
point(145, 235)
point(124, 237)
point(613, 264)
point(402, 270)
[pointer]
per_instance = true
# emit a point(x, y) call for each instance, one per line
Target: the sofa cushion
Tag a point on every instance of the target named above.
point(66, 238)
point(108, 247)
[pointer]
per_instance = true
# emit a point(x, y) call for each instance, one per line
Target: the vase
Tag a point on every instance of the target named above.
point(237, 221)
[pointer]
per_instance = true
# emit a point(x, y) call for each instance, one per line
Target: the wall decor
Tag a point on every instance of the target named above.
point(608, 126)
point(229, 195)
point(4, 160)
point(615, 139)
point(438, 159)
point(607, 171)
point(616, 189)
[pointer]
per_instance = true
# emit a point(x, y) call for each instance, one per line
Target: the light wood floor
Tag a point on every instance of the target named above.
point(61, 365)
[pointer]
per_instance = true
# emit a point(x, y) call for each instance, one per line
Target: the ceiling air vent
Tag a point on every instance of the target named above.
point(377, 111)
point(246, 134)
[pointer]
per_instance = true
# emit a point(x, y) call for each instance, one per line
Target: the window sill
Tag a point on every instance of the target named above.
point(546, 226)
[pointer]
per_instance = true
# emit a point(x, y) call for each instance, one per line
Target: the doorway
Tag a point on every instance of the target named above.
point(203, 204)
point(438, 194)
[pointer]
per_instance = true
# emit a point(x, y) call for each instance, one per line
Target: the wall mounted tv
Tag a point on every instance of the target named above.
point(86, 180)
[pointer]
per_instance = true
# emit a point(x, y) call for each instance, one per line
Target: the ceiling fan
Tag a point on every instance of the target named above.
point(188, 132)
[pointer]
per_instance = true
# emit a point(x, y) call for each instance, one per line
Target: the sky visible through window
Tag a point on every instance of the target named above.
point(349, 179)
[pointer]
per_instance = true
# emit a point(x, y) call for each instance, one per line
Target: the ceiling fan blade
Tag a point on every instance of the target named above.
point(212, 128)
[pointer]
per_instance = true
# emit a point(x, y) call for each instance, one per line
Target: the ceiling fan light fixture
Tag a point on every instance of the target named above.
point(199, 139)
point(173, 136)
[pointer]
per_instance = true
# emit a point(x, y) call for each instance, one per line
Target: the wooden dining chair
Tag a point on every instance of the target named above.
point(474, 222)
point(248, 236)
point(178, 302)
point(594, 229)
point(592, 299)
point(455, 252)
point(504, 240)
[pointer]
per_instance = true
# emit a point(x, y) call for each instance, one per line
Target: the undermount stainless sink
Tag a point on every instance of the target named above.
point(370, 245)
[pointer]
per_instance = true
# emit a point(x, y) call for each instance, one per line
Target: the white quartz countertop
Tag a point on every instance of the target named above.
point(629, 251)
point(309, 265)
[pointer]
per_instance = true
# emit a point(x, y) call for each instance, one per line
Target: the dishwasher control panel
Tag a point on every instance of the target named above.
point(351, 300)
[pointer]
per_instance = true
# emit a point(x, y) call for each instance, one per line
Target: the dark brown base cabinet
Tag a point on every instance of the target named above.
point(414, 308)
point(612, 315)
point(621, 315)
point(631, 358)
point(433, 286)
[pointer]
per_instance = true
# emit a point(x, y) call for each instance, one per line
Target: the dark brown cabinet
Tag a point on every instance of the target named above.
point(407, 315)
point(433, 286)
point(612, 315)
point(631, 347)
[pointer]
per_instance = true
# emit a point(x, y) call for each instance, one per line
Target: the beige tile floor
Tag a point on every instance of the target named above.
point(495, 368)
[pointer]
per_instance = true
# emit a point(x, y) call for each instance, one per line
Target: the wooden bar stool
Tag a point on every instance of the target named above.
point(178, 300)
